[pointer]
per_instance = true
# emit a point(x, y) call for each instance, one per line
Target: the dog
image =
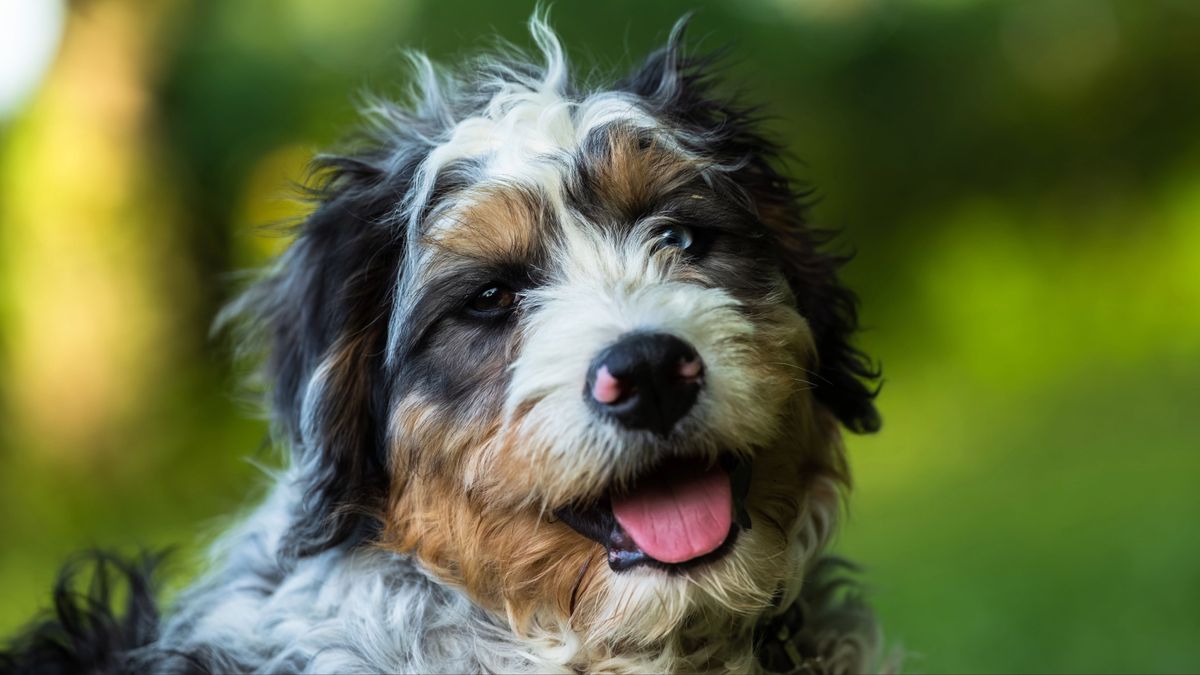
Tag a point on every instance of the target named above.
point(562, 374)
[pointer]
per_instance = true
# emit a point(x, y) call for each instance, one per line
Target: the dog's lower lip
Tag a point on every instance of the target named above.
point(596, 522)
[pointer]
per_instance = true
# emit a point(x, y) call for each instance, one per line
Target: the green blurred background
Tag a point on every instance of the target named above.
point(1021, 181)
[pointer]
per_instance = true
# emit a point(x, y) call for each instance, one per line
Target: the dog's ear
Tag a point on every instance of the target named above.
point(322, 315)
point(845, 381)
point(680, 87)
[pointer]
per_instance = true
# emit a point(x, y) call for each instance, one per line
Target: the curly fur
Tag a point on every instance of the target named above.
point(411, 530)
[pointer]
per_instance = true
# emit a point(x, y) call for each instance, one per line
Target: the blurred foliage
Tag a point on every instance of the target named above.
point(1021, 181)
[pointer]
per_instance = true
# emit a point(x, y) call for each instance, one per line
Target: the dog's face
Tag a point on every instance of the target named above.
point(610, 342)
point(575, 351)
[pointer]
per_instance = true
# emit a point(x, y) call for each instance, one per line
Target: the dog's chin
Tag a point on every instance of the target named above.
point(680, 515)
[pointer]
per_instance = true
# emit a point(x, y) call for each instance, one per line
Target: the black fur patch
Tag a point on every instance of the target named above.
point(327, 304)
point(84, 633)
point(829, 629)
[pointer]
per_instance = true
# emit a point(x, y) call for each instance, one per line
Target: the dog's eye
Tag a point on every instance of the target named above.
point(495, 298)
point(675, 236)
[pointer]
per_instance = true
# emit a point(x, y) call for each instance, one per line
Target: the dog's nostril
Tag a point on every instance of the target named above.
point(690, 367)
point(645, 381)
point(606, 389)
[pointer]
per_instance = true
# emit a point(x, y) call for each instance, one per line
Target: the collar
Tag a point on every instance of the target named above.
point(782, 645)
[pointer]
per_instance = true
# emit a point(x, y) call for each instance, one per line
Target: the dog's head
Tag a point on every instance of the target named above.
point(574, 349)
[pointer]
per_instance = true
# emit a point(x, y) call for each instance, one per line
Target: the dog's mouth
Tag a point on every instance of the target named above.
point(682, 513)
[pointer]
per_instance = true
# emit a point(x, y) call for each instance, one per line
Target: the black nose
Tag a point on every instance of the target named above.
point(645, 381)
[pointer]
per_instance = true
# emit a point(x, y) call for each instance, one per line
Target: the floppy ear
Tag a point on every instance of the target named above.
point(845, 381)
point(323, 316)
point(681, 89)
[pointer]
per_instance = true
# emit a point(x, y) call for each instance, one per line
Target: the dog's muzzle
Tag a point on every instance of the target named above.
point(683, 510)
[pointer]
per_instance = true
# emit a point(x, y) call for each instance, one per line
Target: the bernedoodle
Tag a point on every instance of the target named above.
point(561, 374)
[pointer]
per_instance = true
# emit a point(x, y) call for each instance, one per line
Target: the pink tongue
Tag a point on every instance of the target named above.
point(681, 513)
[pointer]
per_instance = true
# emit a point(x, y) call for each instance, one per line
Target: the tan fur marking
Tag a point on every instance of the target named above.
point(629, 178)
point(498, 223)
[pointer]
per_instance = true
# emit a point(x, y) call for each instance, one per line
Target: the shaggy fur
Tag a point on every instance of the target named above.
point(433, 444)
